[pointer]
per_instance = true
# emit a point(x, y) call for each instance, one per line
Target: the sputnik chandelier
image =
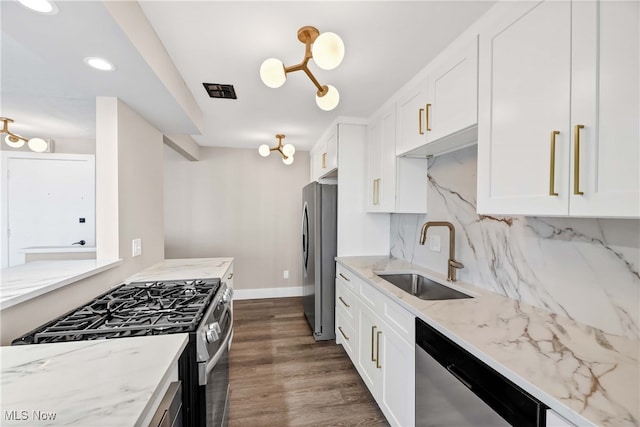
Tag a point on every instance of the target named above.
point(286, 150)
point(16, 141)
point(327, 51)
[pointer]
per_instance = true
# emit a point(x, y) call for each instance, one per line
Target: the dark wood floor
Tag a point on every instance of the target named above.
point(280, 376)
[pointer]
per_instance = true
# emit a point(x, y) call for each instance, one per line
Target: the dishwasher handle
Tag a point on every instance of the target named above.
point(460, 376)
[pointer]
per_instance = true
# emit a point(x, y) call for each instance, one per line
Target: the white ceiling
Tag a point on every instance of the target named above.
point(50, 93)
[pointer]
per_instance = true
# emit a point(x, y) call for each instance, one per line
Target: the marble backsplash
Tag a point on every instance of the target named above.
point(582, 268)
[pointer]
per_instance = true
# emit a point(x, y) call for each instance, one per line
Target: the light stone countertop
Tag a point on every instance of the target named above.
point(24, 282)
point(586, 375)
point(188, 268)
point(87, 383)
point(57, 249)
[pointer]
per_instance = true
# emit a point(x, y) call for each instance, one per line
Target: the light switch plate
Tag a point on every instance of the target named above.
point(434, 243)
point(136, 247)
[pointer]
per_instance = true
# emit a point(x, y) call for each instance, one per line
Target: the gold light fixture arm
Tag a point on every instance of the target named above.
point(13, 137)
point(307, 35)
point(279, 146)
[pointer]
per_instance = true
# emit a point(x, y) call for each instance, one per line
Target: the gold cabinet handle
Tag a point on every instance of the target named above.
point(552, 164)
point(576, 160)
point(420, 111)
point(428, 109)
point(376, 191)
point(343, 334)
point(324, 160)
point(345, 277)
point(378, 365)
point(373, 335)
point(345, 304)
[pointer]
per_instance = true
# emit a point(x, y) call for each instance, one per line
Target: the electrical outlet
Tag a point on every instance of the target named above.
point(434, 243)
point(136, 247)
point(285, 274)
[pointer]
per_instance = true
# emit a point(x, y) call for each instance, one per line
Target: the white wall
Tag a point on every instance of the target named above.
point(129, 201)
point(232, 202)
point(585, 269)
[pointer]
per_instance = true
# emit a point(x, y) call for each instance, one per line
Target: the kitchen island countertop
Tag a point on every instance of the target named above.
point(26, 281)
point(586, 375)
point(113, 382)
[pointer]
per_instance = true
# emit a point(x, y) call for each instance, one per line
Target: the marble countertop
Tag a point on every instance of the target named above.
point(586, 375)
point(188, 268)
point(23, 282)
point(86, 383)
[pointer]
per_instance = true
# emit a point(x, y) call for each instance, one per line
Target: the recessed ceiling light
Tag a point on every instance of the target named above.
point(46, 7)
point(99, 63)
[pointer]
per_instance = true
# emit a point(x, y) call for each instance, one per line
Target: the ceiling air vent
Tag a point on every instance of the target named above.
point(216, 90)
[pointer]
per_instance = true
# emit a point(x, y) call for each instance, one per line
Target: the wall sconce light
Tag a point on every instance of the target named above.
point(287, 150)
point(14, 140)
point(327, 52)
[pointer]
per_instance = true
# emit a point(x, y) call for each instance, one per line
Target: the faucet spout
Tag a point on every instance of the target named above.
point(452, 264)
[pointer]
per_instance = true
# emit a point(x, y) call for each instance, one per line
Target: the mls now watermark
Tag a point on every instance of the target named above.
point(34, 415)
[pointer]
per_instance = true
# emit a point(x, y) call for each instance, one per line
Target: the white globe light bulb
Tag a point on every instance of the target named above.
point(288, 160)
point(328, 51)
point(264, 150)
point(330, 100)
point(38, 145)
point(288, 150)
point(13, 142)
point(272, 73)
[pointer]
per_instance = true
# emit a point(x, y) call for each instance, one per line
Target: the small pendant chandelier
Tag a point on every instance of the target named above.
point(287, 151)
point(14, 140)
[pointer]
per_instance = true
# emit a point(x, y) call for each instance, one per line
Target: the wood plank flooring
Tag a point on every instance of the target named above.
point(280, 376)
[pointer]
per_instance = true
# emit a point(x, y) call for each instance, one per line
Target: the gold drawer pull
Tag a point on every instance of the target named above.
point(420, 111)
point(428, 108)
point(373, 335)
point(378, 365)
point(343, 334)
point(345, 304)
point(552, 164)
point(345, 277)
point(324, 160)
point(576, 161)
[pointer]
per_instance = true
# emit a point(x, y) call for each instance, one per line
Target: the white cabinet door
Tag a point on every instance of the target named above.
point(368, 327)
point(605, 173)
point(397, 361)
point(315, 160)
point(452, 89)
point(559, 106)
point(331, 156)
point(411, 107)
point(381, 181)
point(524, 97)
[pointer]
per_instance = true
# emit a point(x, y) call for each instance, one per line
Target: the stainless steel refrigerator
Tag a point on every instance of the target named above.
point(319, 235)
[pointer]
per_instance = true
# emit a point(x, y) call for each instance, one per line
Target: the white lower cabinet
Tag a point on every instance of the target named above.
point(374, 332)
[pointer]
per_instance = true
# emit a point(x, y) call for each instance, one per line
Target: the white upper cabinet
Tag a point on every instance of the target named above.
point(558, 111)
point(324, 155)
point(381, 162)
point(394, 184)
point(411, 109)
point(439, 113)
point(605, 100)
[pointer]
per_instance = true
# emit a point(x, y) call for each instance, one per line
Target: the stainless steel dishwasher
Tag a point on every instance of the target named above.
point(456, 389)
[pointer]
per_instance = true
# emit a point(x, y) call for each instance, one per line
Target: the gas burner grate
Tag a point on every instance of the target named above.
point(134, 309)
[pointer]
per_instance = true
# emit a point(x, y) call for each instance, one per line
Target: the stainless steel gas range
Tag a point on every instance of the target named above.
point(199, 307)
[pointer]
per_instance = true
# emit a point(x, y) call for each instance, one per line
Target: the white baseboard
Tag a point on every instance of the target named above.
point(293, 291)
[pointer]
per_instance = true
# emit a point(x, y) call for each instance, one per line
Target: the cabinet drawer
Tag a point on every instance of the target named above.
point(345, 333)
point(372, 297)
point(348, 278)
point(346, 300)
point(400, 320)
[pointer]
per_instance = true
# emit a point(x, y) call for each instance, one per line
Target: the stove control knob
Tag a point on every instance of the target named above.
point(212, 335)
point(227, 296)
point(216, 327)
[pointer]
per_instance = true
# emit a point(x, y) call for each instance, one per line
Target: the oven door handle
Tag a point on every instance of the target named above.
point(204, 373)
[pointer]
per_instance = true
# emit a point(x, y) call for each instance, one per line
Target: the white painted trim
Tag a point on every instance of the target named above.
point(293, 291)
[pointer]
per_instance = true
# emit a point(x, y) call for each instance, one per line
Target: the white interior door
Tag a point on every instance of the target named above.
point(50, 201)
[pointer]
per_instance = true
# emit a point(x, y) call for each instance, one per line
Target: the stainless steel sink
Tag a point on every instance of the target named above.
point(422, 287)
